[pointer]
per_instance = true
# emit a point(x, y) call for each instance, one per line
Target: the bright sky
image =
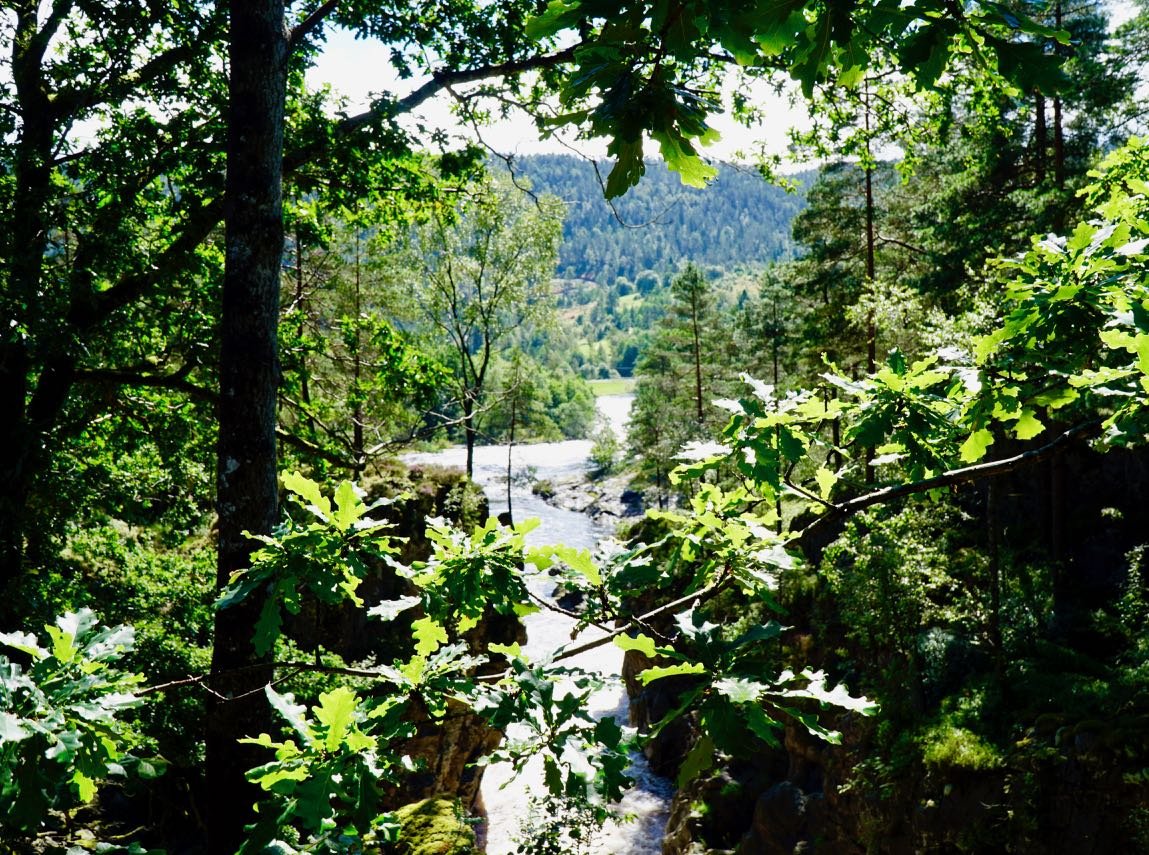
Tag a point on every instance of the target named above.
point(356, 67)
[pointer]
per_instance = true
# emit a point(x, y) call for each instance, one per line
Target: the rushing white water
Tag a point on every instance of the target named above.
point(505, 795)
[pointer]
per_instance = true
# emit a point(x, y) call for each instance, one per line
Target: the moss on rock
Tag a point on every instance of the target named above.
point(435, 826)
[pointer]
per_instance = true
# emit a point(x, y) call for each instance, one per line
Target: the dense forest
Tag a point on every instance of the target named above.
point(617, 258)
point(659, 221)
point(886, 588)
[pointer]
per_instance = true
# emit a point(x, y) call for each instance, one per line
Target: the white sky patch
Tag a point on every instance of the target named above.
point(355, 68)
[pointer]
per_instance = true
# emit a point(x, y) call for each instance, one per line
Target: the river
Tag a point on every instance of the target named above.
point(506, 796)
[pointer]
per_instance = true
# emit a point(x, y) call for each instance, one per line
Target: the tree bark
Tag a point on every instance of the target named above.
point(694, 323)
point(1040, 137)
point(871, 275)
point(21, 440)
point(469, 429)
point(1058, 131)
point(247, 498)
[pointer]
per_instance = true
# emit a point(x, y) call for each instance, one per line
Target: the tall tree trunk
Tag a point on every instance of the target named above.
point(23, 426)
point(15, 457)
point(1040, 137)
point(1058, 145)
point(774, 341)
point(358, 445)
point(1058, 132)
point(247, 494)
point(510, 450)
point(301, 302)
point(871, 272)
point(694, 322)
point(469, 429)
point(994, 540)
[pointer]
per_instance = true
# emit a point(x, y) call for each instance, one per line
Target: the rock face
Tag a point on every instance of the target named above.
point(1073, 805)
point(444, 749)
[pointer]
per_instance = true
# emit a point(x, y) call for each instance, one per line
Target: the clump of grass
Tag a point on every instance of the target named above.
point(947, 746)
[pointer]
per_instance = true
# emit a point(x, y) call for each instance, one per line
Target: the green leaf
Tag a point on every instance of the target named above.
point(762, 726)
point(11, 729)
point(63, 644)
point(267, 626)
point(349, 507)
point(510, 651)
point(552, 776)
point(390, 609)
point(85, 786)
point(266, 777)
point(1027, 426)
point(628, 168)
point(336, 710)
point(660, 671)
point(974, 448)
point(25, 642)
point(692, 170)
point(152, 768)
point(1142, 345)
point(579, 560)
point(698, 760)
point(1057, 399)
point(826, 481)
point(310, 492)
point(644, 644)
point(558, 16)
point(815, 689)
point(738, 690)
point(292, 713)
point(428, 636)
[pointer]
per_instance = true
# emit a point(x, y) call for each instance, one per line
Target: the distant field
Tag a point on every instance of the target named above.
point(621, 386)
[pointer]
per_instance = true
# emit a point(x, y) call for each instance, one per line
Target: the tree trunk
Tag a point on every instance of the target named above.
point(15, 452)
point(301, 302)
point(871, 275)
point(1040, 137)
point(697, 359)
point(469, 429)
point(21, 437)
point(994, 540)
point(247, 498)
point(1058, 131)
point(1058, 146)
point(357, 442)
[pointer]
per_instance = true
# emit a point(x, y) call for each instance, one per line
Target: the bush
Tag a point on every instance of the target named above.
point(946, 746)
point(605, 450)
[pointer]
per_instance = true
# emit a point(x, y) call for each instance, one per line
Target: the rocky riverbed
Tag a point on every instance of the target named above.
point(603, 499)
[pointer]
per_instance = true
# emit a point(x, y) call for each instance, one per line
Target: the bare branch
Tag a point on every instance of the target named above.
point(305, 27)
point(176, 381)
point(440, 80)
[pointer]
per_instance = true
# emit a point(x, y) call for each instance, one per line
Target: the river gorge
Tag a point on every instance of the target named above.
point(507, 796)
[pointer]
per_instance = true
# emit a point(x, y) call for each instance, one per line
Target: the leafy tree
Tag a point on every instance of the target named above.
point(478, 272)
point(355, 384)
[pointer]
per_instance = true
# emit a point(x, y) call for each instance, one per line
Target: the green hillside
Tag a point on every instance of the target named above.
point(616, 261)
point(740, 221)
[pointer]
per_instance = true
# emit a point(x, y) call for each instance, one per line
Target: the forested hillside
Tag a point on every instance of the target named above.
point(618, 257)
point(739, 222)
